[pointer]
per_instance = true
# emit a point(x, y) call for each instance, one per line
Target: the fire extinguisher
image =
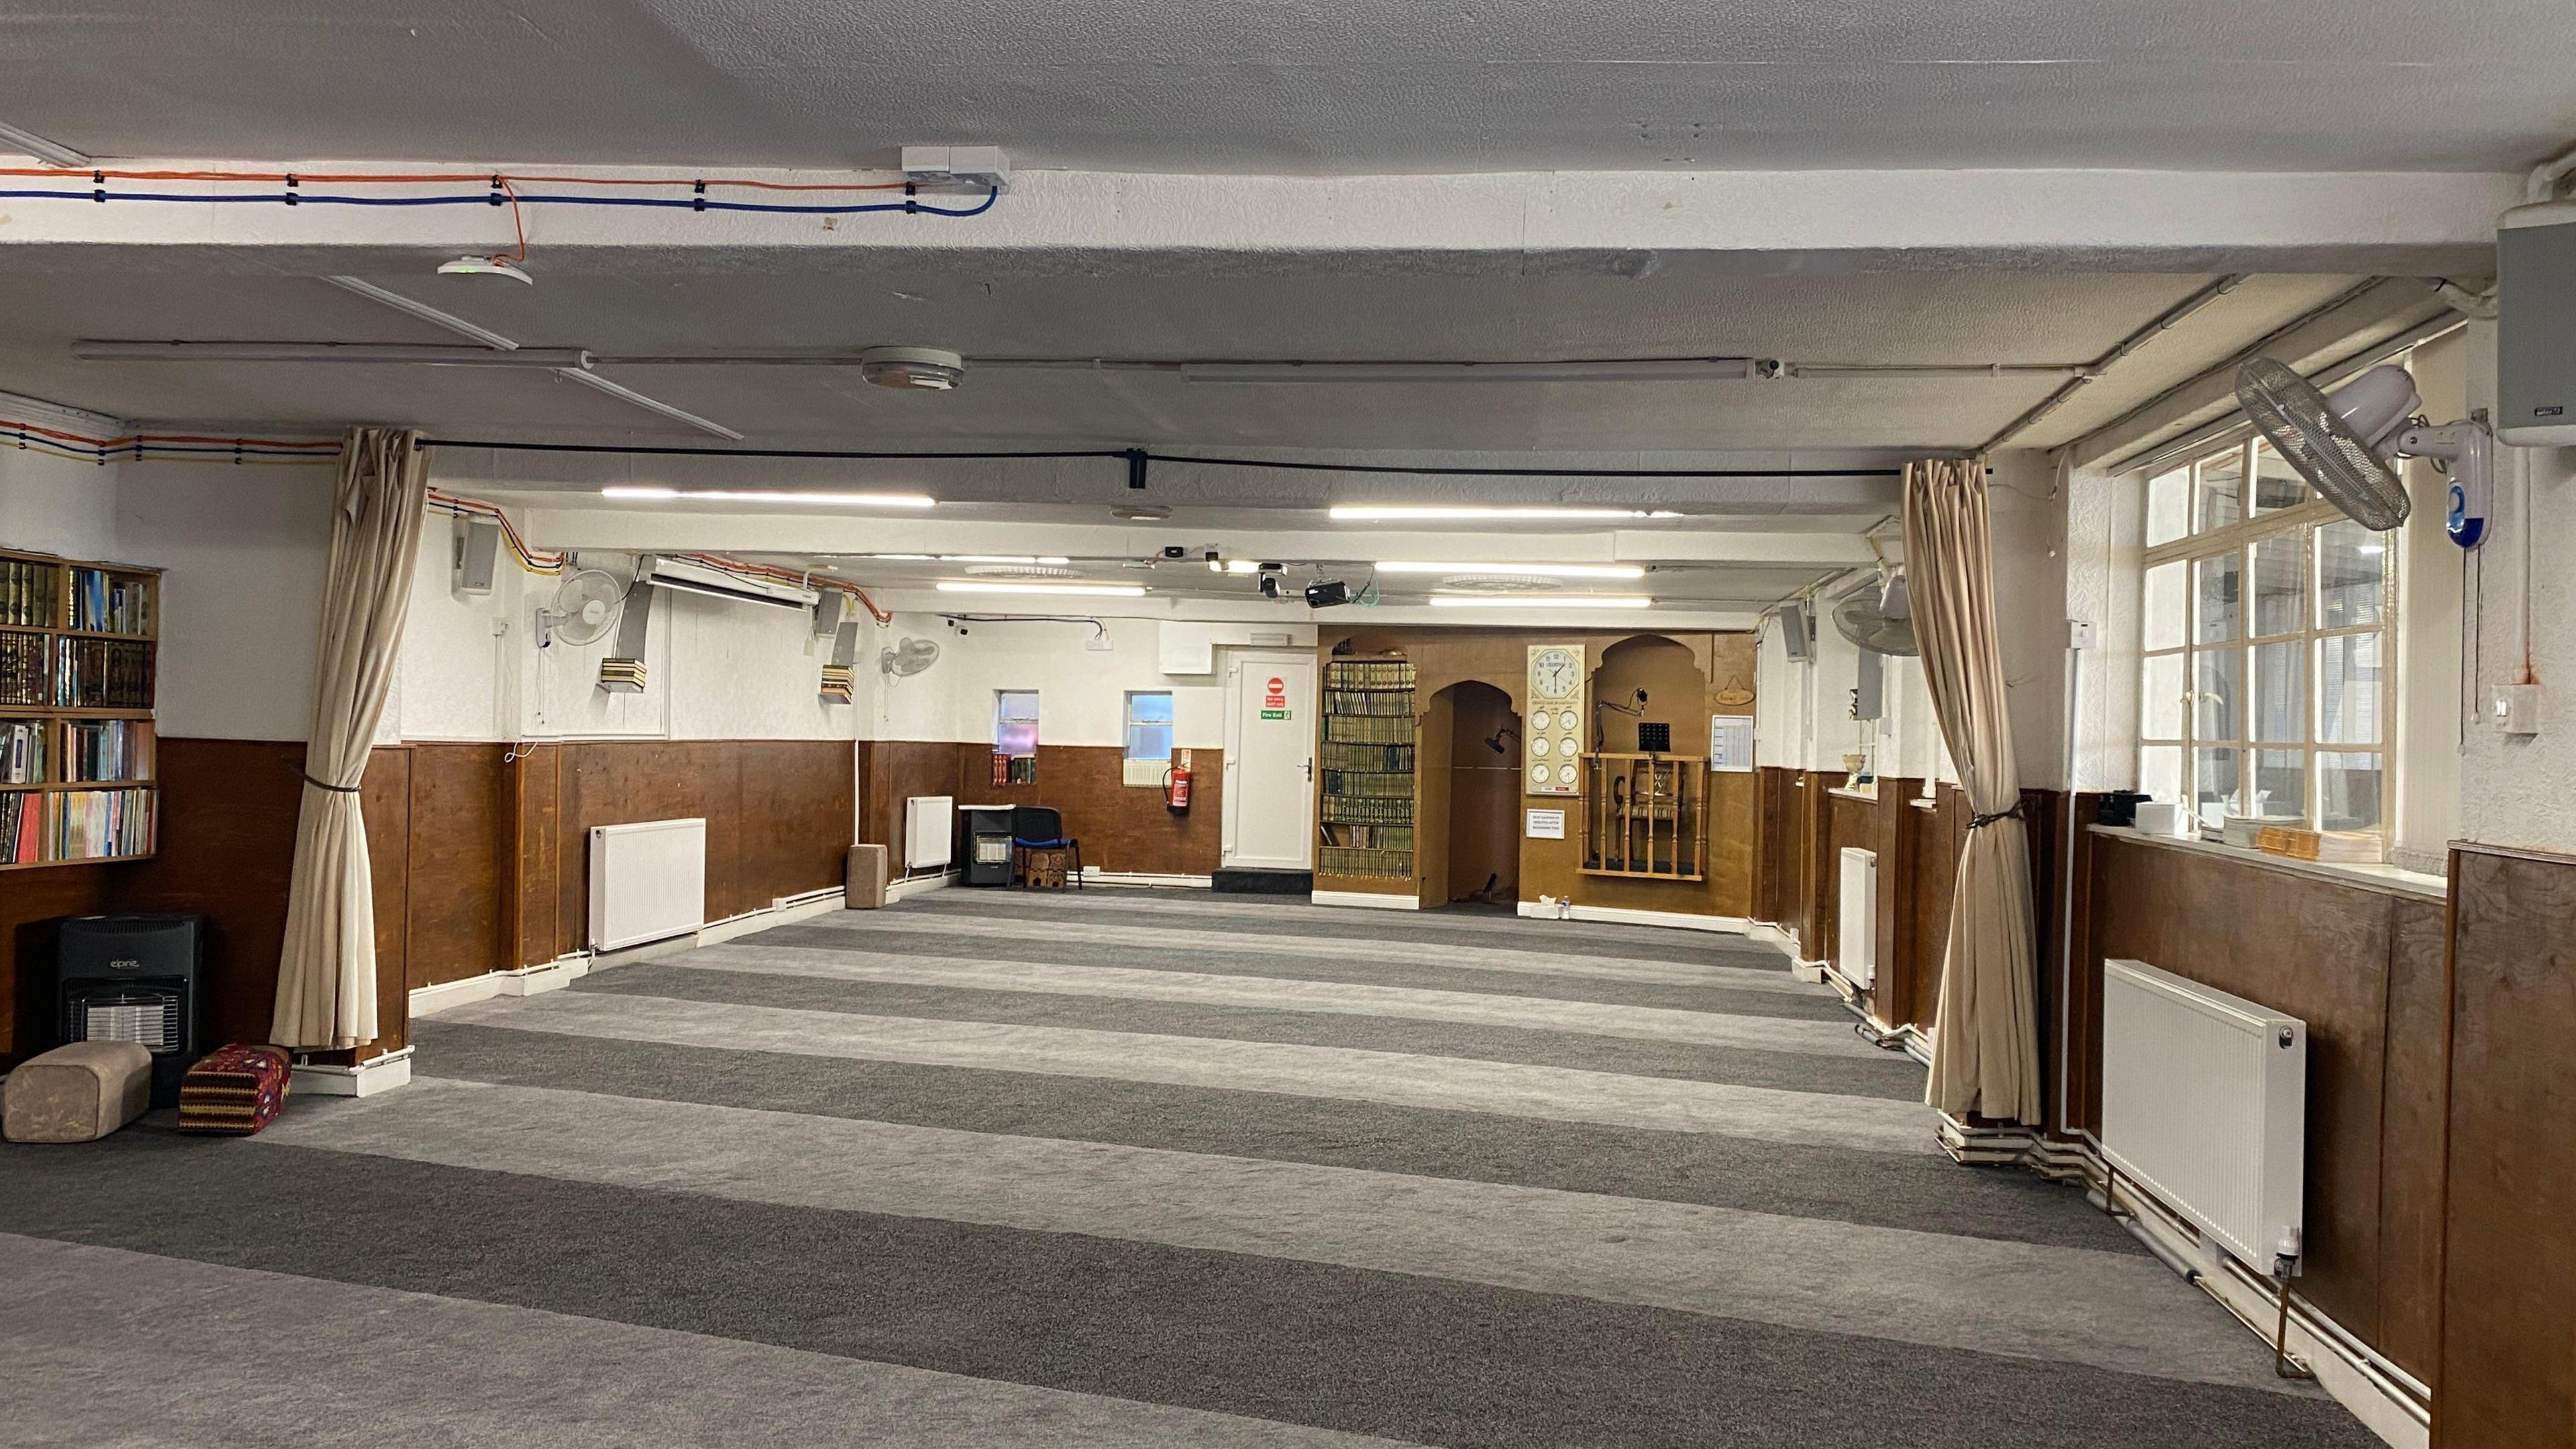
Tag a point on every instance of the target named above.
point(1176, 789)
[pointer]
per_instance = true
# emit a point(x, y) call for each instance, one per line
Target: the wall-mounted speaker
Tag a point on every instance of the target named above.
point(2536, 326)
point(1798, 631)
point(476, 556)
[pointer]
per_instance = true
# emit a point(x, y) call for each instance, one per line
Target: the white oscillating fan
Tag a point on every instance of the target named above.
point(908, 658)
point(586, 607)
point(1878, 615)
point(2344, 444)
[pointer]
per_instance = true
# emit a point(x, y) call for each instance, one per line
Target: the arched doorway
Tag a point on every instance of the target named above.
point(1478, 854)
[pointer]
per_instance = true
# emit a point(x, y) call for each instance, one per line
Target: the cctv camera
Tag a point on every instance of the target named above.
point(1270, 586)
point(1175, 551)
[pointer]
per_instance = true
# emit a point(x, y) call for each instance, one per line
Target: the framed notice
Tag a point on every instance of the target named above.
point(1730, 742)
point(1546, 825)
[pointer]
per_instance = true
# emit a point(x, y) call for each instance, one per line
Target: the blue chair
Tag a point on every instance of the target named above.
point(1041, 827)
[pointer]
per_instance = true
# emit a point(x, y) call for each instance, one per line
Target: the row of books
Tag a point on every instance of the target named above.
point(22, 668)
point(1369, 729)
point(110, 603)
point(106, 750)
point(1394, 759)
point(24, 751)
point(1368, 674)
point(1372, 837)
point(1351, 860)
point(74, 825)
point(30, 593)
point(1368, 810)
point(102, 674)
point(1015, 769)
point(1387, 702)
point(1369, 784)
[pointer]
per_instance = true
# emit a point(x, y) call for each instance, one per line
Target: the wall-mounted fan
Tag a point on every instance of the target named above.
point(2344, 445)
point(909, 657)
point(1879, 616)
point(585, 608)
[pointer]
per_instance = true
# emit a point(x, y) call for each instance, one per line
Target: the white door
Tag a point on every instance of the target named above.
point(1270, 762)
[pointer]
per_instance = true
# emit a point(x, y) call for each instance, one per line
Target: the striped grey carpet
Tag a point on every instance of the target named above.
point(1117, 1168)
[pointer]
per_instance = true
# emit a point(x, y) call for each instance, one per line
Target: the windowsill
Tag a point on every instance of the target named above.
point(2387, 879)
point(1852, 792)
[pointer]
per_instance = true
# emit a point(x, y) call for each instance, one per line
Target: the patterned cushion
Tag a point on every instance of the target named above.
point(236, 1091)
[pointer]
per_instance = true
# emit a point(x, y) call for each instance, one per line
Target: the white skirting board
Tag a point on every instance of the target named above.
point(900, 889)
point(564, 971)
point(367, 1078)
point(1094, 875)
point(1623, 916)
point(2390, 1401)
point(1365, 900)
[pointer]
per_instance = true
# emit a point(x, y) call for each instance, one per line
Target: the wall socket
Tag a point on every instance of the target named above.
point(2516, 709)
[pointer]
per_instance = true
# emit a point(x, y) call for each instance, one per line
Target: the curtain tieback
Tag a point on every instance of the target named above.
point(1980, 822)
point(334, 789)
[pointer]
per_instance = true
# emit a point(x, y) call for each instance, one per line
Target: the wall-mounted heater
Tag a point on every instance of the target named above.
point(663, 572)
point(929, 831)
point(1856, 933)
point(2204, 1104)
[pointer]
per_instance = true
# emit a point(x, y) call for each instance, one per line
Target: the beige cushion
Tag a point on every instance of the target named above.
point(76, 1093)
point(866, 885)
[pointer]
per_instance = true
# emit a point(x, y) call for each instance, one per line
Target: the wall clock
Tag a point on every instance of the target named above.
point(1556, 715)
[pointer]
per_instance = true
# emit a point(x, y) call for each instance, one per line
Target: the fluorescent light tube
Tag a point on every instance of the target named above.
point(1541, 601)
point(1464, 513)
point(1000, 558)
point(1508, 570)
point(1088, 591)
point(361, 287)
point(628, 493)
point(435, 354)
point(1648, 369)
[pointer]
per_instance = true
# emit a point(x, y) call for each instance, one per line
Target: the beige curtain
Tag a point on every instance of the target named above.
point(326, 981)
point(1985, 1048)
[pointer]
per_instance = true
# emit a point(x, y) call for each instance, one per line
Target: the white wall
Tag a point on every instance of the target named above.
point(2521, 791)
point(245, 551)
point(1082, 693)
point(57, 505)
point(2433, 712)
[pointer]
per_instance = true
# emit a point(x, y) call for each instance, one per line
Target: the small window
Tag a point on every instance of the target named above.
point(1015, 722)
point(1149, 727)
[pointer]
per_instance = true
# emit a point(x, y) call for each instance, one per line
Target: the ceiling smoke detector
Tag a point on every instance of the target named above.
point(1018, 571)
point(925, 368)
point(476, 266)
point(1501, 584)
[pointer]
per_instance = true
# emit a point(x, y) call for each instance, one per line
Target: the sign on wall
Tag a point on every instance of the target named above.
point(1546, 825)
point(1274, 698)
point(1730, 742)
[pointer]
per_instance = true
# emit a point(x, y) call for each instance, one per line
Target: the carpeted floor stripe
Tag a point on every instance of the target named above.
point(415, 1368)
point(1141, 950)
point(1924, 1288)
point(950, 926)
point(1407, 1357)
point(1455, 926)
point(1884, 1189)
point(1867, 1073)
point(1406, 1079)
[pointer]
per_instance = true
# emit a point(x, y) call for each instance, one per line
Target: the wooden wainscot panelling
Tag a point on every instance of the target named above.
point(2415, 1084)
point(893, 771)
point(463, 849)
point(31, 906)
point(1896, 831)
point(532, 899)
point(2313, 948)
point(1122, 827)
point(2507, 1377)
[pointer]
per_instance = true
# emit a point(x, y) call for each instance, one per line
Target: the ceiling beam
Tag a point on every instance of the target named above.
point(2409, 223)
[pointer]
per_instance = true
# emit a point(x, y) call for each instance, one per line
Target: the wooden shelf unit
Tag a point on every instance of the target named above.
point(60, 665)
point(1645, 816)
point(1364, 816)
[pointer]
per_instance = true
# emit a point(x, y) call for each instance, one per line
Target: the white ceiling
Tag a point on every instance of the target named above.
point(1150, 305)
point(1310, 86)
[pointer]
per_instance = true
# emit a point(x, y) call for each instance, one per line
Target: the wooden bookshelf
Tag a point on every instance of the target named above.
point(1365, 809)
point(79, 672)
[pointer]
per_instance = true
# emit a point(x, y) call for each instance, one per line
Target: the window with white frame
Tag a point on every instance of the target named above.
point(1015, 722)
point(1149, 731)
point(2268, 673)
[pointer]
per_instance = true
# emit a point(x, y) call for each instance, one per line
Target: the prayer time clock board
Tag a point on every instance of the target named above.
point(1553, 727)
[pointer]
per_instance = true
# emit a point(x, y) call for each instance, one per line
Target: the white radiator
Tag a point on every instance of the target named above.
point(647, 881)
point(929, 830)
point(1856, 939)
point(2204, 1104)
